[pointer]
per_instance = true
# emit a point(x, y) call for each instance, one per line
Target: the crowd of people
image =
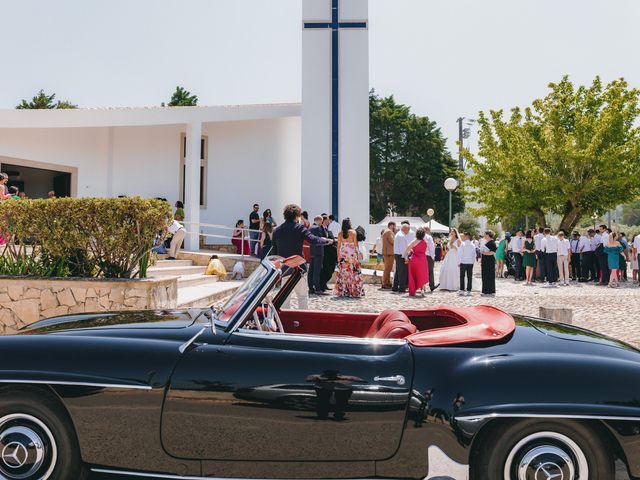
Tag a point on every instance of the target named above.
point(552, 259)
point(414, 254)
point(329, 247)
point(597, 255)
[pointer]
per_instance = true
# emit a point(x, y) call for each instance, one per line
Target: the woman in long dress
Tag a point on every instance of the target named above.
point(239, 241)
point(416, 257)
point(348, 280)
point(488, 265)
point(450, 270)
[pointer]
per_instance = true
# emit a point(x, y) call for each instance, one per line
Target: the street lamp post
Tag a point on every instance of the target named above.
point(430, 213)
point(450, 184)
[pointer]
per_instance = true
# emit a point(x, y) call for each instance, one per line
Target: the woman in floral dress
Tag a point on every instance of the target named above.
point(348, 281)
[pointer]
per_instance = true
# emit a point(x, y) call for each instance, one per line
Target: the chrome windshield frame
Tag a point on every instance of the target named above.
point(255, 297)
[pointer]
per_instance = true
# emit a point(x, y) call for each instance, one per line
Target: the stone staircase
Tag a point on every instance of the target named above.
point(195, 289)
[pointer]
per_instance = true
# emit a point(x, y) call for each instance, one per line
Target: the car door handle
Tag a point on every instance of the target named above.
point(399, 379)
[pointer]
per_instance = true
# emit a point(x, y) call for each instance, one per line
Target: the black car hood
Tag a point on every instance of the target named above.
point(576, 334)
point(146, 320)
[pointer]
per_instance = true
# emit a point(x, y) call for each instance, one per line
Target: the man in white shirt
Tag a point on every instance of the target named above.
point(540, 274)
point(564, 252)
point(403, 238)
point(515, 246)
point(550, 249)
point(635, 251)
point(466, 259)
point(178, 232)
point(603, 259)
point(431, 258)
point(334, 227)
point(575, 256)
point(587, 268)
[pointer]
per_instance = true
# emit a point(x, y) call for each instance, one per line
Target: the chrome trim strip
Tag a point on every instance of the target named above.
point(441, 466)
point(183, 348)
point(80, 384)
point(144, 475)
point(478, 418)
point(108, 471)
point(317, 338)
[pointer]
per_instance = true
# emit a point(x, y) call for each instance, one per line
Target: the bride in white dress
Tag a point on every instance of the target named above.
point(450, 270)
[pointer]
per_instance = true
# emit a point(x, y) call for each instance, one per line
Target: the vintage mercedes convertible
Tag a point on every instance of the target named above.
point(252, 390)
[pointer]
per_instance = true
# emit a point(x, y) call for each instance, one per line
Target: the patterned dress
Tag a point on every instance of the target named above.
point(348, 280)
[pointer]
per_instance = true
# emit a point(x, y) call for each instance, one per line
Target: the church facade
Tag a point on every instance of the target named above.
point(219, 160)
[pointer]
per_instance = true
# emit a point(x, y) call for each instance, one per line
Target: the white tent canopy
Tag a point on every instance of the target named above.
point(415, 222)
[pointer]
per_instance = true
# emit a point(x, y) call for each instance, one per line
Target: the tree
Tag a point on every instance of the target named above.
point(409, 162)
point(42, 101)
point(573, 153)
point(182, 98)
point(631, 214)
point(468, 223)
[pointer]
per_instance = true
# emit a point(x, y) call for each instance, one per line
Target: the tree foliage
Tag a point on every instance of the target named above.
point(42, 101)
point(573, 153)
point(468, 223)
point(409, 163)
point(631, 213)
point(182, 98)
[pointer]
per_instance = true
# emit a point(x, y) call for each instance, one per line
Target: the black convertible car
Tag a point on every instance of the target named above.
point(255, 391)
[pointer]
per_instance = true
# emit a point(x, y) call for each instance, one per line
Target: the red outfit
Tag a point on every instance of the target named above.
point(418, 268)
point(238, 242)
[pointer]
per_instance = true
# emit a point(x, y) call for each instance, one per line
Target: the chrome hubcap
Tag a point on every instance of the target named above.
point(546, 456)
point(27, 448)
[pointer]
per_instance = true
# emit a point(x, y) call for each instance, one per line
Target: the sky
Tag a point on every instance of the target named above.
point(444, 58)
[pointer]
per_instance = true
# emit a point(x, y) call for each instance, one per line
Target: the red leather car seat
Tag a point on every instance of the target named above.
point(391, 324)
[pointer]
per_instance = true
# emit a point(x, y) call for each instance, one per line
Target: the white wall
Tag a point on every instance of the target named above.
point(74, 147)
point(251, 162)
point(146, 161)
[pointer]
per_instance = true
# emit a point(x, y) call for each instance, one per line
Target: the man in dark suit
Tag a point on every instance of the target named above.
point(287, 241)
point(330, 259)
point(317, 256)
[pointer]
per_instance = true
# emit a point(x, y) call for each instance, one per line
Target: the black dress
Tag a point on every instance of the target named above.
point(488, 267)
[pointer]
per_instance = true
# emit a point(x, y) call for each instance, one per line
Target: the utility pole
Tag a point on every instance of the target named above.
point(460, 139)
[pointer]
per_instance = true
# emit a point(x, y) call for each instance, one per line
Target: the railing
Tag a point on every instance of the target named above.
point(245, 236)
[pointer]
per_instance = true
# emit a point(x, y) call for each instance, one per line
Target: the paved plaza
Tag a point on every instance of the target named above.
point(613, 312)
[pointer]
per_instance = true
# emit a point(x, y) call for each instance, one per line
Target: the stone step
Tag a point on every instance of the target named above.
point(156, 272)
point(197, 279)
point(202, 296)
point(174, 263)
point(223, 248)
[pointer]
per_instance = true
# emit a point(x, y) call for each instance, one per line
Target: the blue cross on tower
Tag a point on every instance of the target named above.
point(335, 25)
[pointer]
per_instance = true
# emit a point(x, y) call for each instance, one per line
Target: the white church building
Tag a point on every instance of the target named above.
point(219, 160)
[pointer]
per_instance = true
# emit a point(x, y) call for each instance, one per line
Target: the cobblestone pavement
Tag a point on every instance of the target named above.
point(613, 312)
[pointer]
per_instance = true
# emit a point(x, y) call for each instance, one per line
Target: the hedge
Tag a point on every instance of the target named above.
point(81, 237)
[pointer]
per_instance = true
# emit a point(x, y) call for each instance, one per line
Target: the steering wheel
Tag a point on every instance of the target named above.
point(270, 319)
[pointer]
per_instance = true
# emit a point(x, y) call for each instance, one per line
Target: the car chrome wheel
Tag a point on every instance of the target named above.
point(546, 456)
point(27, 448)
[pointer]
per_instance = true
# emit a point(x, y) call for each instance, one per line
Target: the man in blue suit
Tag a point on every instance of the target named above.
point(317, 257)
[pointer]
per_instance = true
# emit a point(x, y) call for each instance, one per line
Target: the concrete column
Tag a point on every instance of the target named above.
point(192, 186)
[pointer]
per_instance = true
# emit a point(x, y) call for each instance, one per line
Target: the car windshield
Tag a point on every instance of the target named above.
point(240, 297)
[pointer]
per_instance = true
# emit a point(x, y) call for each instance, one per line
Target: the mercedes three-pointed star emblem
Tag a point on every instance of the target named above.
point(549, 471)
point(14, 455)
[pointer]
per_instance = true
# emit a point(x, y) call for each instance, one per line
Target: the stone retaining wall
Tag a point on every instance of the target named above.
point(26, 300)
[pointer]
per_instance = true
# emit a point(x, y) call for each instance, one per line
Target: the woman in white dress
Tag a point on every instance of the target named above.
point(450, 270)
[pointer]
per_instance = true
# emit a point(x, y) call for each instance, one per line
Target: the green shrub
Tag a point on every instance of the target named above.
point(81, 237)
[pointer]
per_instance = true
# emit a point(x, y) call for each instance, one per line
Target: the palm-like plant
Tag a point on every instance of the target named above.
point(182, 98)
point(42, 101)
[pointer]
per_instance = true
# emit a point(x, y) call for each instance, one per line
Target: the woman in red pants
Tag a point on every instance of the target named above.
point(416, 257)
